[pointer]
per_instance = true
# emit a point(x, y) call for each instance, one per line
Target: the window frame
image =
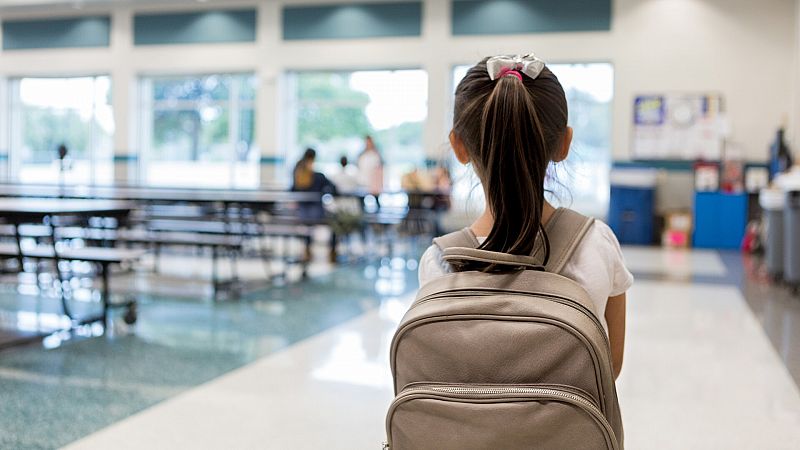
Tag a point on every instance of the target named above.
point(14, 136)
point(290, 104)
point(235, 104)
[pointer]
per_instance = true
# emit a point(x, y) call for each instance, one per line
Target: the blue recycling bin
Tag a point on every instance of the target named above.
point(630, 214)
point(720, 220)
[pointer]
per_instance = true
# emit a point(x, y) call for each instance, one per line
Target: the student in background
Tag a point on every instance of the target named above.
point(346, 179)
point(442, 180)
point(417, 181)
point(370, 167)
point(347, 209)
point(305, 179)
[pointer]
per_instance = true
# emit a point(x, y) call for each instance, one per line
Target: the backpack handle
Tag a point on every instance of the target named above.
point(456, 256)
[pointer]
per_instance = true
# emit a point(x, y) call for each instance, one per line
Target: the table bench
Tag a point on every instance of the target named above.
point(20, 212)
point(102, 257)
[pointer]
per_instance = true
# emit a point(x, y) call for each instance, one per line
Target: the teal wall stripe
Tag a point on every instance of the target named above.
point(125, 158)
point(272, 160)
point(218, 26)
point(478, 17)
point(57, 33)
point(3, 157)
point(352, 21)
point(673, 165)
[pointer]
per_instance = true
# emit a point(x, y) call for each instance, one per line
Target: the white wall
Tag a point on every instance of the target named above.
point(745, 49)
point(741, 48)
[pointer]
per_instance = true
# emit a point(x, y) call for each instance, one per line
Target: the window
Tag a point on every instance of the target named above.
point(49, 112)
point(198, 131)
point(590, 90)
point(333, 111)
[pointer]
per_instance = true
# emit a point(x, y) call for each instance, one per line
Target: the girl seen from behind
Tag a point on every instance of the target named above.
point(510, 124)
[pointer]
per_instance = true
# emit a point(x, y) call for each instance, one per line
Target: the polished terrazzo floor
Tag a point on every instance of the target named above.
point(50, 397)
point(712, 348)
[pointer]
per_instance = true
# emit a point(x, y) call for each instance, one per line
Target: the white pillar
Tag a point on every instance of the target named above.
point(123, 79)
point(436, 26)
point(5, 136)
point(268, 41)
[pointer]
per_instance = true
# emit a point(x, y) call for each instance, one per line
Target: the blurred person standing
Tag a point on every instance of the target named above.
point(370, 168)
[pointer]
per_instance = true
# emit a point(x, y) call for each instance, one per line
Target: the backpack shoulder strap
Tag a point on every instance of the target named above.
point(462, 246)
point(461, 238)
point(565, 231)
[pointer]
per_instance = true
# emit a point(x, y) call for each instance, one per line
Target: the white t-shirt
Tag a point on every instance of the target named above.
point(597, 265)
point(370, 171)
point(346, 179)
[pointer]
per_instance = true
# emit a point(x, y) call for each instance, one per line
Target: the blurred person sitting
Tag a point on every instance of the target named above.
point(305, 179)
point(428, 195)
point(443, 186)
point(442, 180)
point(417, 181)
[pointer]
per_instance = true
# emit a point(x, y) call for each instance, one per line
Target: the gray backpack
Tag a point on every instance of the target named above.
point(514, 360)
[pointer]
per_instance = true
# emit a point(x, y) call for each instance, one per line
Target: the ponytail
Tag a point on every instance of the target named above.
point(511, 128)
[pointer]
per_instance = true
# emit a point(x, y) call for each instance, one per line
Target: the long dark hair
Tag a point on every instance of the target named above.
point(303, 174)
point(511, 129)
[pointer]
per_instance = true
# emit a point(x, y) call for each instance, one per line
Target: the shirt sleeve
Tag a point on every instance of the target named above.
point(431, 265)
point(622, 277)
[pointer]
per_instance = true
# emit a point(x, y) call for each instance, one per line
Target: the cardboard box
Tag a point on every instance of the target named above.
point(677, 230)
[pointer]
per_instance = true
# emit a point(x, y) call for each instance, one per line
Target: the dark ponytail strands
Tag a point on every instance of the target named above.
point(511, 128)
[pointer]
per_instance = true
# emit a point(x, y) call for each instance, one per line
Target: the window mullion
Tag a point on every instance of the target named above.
point(234, 128)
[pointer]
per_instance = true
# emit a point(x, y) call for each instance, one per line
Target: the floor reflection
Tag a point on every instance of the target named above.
point(774, 304)
point(179, 343)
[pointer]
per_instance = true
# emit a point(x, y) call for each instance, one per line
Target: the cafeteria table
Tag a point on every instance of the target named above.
point(19, 211)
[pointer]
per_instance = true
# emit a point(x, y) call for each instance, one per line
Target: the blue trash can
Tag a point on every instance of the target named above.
point(631, 205)
point(720, 220)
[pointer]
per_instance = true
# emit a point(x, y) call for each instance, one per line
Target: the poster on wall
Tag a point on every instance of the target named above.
point(680, 126)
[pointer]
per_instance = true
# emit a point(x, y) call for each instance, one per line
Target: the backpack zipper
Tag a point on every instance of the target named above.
point(488, 293)
point(471, 387)
point(483, 390)
point(501, 390)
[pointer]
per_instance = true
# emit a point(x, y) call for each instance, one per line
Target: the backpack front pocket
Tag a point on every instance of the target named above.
point(445, 416)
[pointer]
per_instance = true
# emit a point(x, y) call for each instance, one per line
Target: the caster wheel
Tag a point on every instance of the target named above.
point(130, 315)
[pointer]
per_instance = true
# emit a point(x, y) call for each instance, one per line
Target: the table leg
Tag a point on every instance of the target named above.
point(18, 238)
point(106, 292)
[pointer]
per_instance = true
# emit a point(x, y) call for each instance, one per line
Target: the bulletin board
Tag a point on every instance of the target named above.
point(679, 126)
